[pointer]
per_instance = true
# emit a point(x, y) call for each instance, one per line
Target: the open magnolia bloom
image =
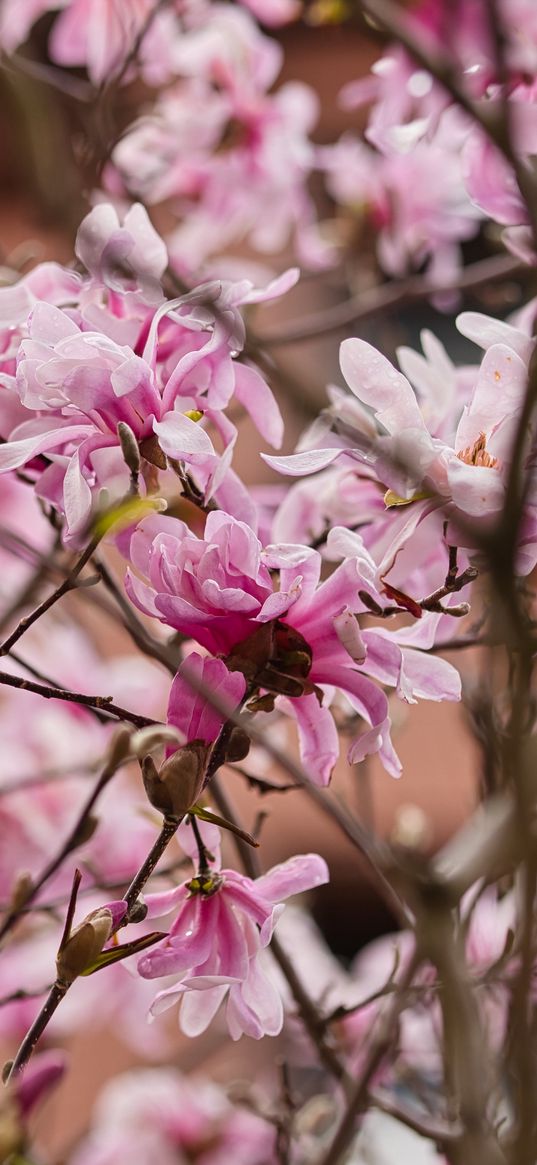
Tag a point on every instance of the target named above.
point(82, 356)
point(298, 642)
point(463, 474)
point(223, 924)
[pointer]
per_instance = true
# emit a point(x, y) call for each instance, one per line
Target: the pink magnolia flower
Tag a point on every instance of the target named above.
point(79, 372)
point(101, 34)
point(219, 590)
point(223, 923)
point(214, 589)
point(240, 171)
point(464, 473)
point(490, 180)
point(412, 194)
point(159, 1115)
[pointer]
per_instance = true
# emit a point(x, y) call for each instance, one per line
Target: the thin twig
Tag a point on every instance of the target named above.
point(103, 704)
point(66, 586)
point(387, 297)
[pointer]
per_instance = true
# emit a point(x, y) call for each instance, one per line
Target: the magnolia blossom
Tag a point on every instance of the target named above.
point(114, 40)
point(490, 179)
point(224, 922)
point(115, 358)
point(234, 156)
point(412, 194)
point(97, 34)
point(459, 474)
point(219, 591)
point(159, 1115)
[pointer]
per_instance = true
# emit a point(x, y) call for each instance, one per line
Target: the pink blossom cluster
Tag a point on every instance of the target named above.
point(437, 441)
point(110, 38)
point(87, 356)
point(233, 156)
point(157, 1114)
point(426, 175)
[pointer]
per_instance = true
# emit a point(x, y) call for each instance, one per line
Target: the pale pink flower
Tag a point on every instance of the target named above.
point(223, 923)
point(412, 195)
point(149, 1115)
point(97, 34)
point(75, 372)
point(464, 474)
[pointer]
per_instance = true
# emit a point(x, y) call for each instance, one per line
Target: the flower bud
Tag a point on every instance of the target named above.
point(177, 785)
point(83, 945)
point(238, 745)
point(129, 447)
point(120, 747)
point(147, 739)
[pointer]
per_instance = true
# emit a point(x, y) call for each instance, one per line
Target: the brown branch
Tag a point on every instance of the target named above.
point(100, 703)
point(75, 837)
point(388, 297)
point(67, 585)
point(380, 1039)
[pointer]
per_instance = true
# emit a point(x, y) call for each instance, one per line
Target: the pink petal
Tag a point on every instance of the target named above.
point(299, 873)
point(76, 497)
point(476, 490)
point(178, 435)
point(254, 393)
point(199, 1008)
point(317, 735)
point(191, 712)
point(16, 453)
point(375, 382)
point(299, 464)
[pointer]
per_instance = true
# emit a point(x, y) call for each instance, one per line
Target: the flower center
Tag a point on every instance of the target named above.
point(477, 454)
point(206, 884)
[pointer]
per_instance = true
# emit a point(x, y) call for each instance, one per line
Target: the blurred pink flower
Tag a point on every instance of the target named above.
point(158, 1115)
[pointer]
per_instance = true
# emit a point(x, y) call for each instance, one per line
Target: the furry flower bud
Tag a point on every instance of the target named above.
point(176, 786)
point(83, 945)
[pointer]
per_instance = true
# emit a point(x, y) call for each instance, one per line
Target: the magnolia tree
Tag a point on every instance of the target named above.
point(403, 528)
